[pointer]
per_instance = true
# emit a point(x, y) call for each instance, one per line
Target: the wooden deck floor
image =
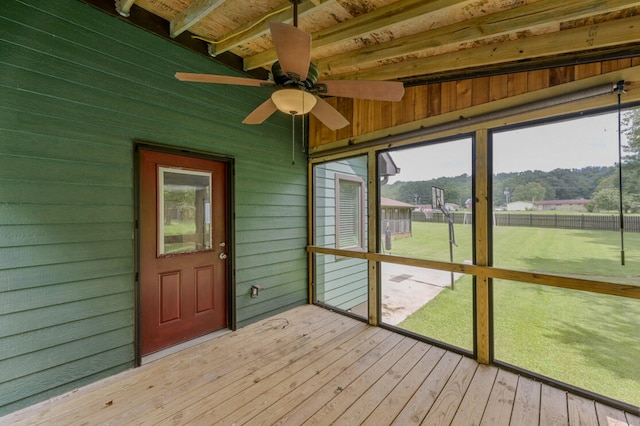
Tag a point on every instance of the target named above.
point(311, 366)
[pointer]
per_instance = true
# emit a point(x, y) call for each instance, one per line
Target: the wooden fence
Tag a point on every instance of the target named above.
point(610, 222)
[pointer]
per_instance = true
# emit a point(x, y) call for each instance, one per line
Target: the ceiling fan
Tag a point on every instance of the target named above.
point(295, 79)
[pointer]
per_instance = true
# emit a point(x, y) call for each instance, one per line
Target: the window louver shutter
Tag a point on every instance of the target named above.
point(349, 226)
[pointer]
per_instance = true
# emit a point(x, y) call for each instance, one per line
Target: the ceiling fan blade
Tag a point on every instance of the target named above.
point(293, 48)
point(328, 115)
point(221, 79)
point(261, 113)
point(362, 89)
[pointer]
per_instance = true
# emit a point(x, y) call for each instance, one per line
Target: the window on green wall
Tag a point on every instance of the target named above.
point(349, 220)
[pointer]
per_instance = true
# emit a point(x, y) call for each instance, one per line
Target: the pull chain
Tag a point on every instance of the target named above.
point(304, 148)
point(302, 118)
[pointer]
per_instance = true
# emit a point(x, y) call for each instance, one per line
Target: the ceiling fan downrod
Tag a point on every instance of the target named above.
point(295, 11)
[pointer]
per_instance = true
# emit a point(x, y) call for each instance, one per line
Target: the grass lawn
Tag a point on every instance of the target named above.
point(584, 339)
point(185, 228)
point(177, 227)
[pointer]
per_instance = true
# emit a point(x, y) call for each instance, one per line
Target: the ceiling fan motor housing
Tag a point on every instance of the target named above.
point(282, 79)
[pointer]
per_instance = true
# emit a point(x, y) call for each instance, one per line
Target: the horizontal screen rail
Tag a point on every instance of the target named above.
point(601, 287)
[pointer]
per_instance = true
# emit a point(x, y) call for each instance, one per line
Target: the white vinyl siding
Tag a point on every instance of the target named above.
point(349, 211)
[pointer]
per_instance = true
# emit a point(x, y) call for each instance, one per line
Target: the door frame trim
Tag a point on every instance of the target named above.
point(139, 145)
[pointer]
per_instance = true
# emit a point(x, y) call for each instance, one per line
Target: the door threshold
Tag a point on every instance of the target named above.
point(182, 346)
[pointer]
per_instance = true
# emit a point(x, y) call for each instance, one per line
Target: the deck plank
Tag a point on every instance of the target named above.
point(194, 378)
point(253, 404)
point(174, 371)
point(447, 403)
point(378, 392)
point(418, 406)
point(633, 420)
point(553, 406)
point(389, 408)
point(315, 366)
point(609, 416)
point(218, 400)
point(300, 395)
point(500, 403)
point(302, 412)
point(526, 405)
point(582, 411)
point(475, 398)
point(347, 394)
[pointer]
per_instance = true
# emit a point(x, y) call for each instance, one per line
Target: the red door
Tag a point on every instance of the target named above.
point(183, 248)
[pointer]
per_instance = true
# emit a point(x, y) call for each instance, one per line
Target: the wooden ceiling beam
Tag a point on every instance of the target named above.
point(589, 37)
point(124, 7)
point(519, 19)
point(363, 25)
point(193, 14)
point(256, 28)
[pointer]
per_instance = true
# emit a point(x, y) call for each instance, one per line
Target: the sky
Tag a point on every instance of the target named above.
point(591, 141)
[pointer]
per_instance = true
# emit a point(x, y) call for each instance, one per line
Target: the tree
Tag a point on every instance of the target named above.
point(631, 159)
point(604, 200)
point(457, 189)
point(607, 199)
point(631, 129)
point(529, 192)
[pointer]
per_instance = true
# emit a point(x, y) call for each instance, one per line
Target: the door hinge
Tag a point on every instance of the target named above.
point(137, 278)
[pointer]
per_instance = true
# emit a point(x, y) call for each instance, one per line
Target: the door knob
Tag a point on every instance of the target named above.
point(222, 256)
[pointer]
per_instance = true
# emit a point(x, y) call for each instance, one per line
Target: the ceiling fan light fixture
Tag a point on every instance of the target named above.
point(293, 101)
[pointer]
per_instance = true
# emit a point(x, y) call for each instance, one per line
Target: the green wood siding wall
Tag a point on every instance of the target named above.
point(339, 282)
point(77, 87)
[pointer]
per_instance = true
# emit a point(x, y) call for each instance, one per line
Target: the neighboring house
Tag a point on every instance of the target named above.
point(386, 167)
point(424, 208)
point(572, 205)
point(341, 223)
point(396, 217)
point(468, 203)
point(451, 207)
point(517, 206)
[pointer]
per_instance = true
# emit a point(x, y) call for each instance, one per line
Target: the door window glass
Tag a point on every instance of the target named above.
point(184, 216)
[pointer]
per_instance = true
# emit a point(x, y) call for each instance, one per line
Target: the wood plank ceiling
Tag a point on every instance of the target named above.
point(415, 41)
